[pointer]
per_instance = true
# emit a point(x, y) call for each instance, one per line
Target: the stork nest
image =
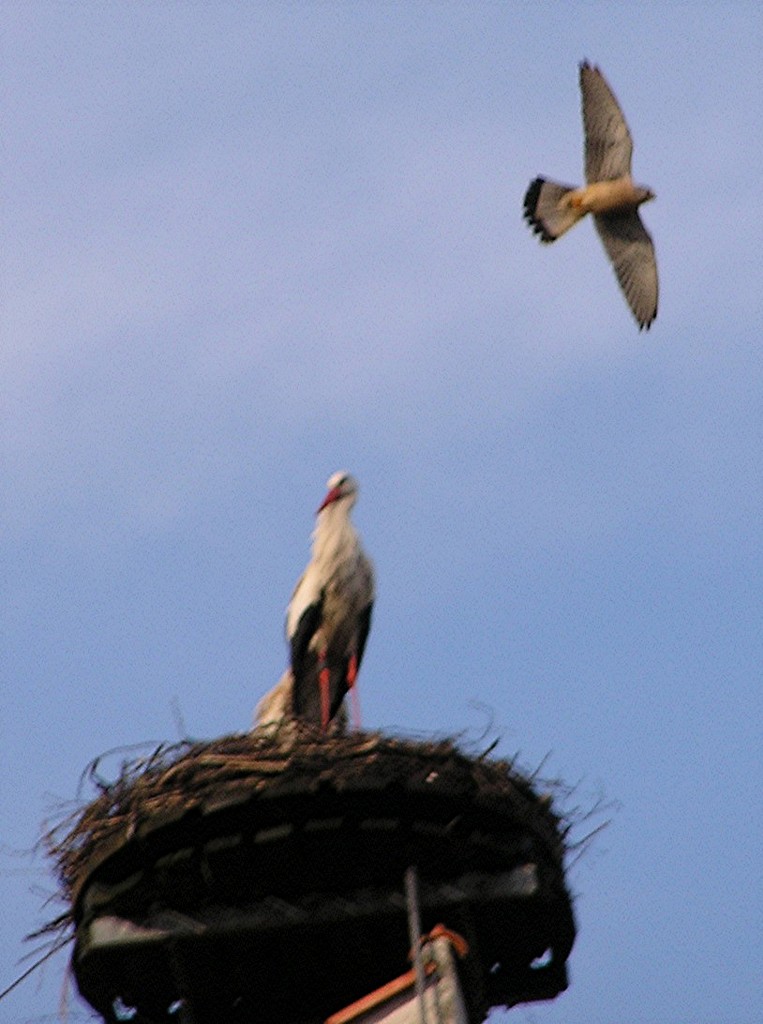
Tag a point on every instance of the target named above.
point(174, 780)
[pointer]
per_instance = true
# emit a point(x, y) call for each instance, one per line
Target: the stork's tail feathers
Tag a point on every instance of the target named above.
point(547, 210)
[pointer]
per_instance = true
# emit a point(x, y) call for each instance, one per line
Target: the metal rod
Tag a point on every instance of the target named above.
point(414, 935)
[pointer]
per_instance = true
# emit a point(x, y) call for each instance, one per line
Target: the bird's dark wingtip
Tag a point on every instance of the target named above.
point(586, 67)
point(644, 325)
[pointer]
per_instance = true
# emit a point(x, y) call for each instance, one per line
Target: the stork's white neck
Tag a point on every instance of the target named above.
point(334, 537)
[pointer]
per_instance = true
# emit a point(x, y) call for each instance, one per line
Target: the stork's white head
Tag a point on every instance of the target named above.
point(340, 485)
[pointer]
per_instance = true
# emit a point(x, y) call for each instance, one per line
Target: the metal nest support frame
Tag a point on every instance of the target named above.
point(252, 880)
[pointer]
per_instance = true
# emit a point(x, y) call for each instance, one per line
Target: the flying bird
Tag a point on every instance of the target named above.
point(329, 615)
point(609, 194)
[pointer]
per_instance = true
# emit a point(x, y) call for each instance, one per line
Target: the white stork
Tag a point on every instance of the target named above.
point(329, 614)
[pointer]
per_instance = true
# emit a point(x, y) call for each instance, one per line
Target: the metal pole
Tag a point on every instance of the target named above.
point(414, 936)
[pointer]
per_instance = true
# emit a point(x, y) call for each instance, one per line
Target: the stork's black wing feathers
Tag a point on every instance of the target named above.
point(309, 622)
point(364, 625)
point(338, 683)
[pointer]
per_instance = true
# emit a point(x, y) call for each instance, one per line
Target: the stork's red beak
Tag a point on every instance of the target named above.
point(333, 494)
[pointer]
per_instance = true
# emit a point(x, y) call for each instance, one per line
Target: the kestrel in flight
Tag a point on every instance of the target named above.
point(609, 194)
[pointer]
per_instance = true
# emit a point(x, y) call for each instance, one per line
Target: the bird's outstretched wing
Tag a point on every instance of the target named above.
point(608, 143)
point(631, 251)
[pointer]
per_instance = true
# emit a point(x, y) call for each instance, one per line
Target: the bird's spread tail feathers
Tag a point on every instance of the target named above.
point(548, 210)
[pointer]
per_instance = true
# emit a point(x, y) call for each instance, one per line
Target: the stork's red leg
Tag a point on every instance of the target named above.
point(352, 675)
point(324, 681)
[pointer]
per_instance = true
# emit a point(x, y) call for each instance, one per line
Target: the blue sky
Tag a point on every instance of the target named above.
point(246, 245)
